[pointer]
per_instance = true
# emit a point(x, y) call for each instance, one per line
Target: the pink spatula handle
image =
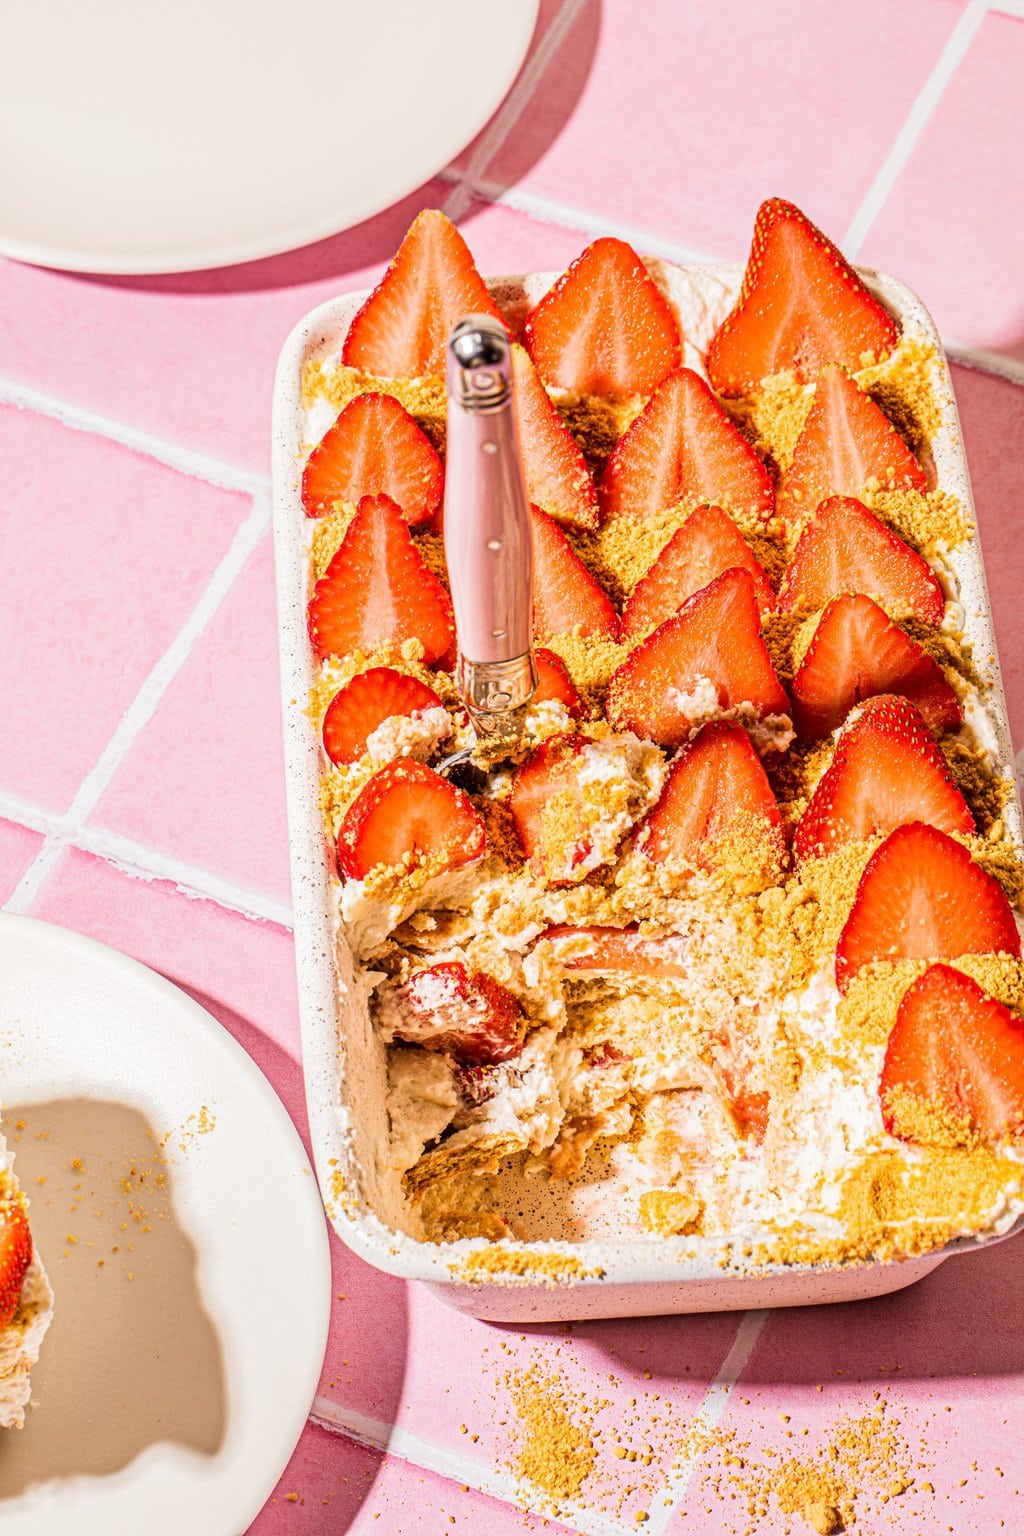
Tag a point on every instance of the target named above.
point(487, 526)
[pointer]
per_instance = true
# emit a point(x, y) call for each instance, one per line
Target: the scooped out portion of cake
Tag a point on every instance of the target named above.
point(725, 951)
point(26, 1300)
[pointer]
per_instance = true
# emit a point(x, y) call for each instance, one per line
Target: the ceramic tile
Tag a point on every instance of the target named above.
point(678, 120)
point(106, 553)
point(992, 417)
point(18, 847)
point(204, 782)
point(953, 225)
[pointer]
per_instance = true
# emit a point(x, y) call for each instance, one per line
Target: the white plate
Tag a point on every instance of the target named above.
point(178, 1373)
point(165, 137)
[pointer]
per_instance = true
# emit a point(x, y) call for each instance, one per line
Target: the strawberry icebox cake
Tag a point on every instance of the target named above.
point(724, 954)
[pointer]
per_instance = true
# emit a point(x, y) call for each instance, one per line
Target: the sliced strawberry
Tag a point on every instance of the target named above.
point(15, 1255)
point(683, 449)
point(844, 548)
point(377, 589)
point(374, 448)
point(707, 544)
point(431, 284)
point(847, 445)
point(715, 787)
point(566, 598)
point(601, 950)
point(603, 328)
point(557, 477)
point(733, 1052)
point(714, 639)
point(886, 771)
point(408, 817)
point(801, 306)
point(922, 897)
point(467, 1013)
point(856, 652)
point(547, 808)
point(957, 1050)
point(366, 702)
point(554, 682)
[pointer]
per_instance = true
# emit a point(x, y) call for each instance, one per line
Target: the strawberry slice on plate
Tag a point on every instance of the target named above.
point(557, 478)
point(922, 897)
point(374, 448)
point(844, 548)
point(847, 445)
point(683, 449)
point(15, 1255)
point(554, 682)
point(567, 600)
point(707, 544)
point(857, 651)
point(886, 771)
point(801, 305)
point(408, 817)
point(364, 703)
point(547, 810)
point(467, 1013)
point(604, 328)
point(603, 950)
point(956, 1050)
point(712, 650)
point(378, 590)
point(716, 789)
point(431, 284)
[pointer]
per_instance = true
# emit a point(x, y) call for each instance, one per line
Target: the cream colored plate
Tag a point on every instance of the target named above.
point(185, 1242)
point(181, 134)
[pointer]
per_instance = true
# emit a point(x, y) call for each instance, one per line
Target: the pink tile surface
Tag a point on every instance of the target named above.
point(953, 227)
point(687, 116)
point(111, 552)
point(215, 745)
point(992, 417)
point(18, 847)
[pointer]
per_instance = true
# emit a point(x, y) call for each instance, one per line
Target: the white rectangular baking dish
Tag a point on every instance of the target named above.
point(343, 1063)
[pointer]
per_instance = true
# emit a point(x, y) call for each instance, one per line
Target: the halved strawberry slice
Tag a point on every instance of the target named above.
point(856, 652)
point(886, 771)
point(374, 448)
point(713, 644)
point(557, 477)
point(607, 950)
point(567, 600)
point(847, 445)
point(554, 682)
point(377, 589)
point(447, 1008)
point(407, 817)
point(955, 1049)
point(733, 1054)
point(683, 449)
point(707, 544)
point(604, 328)
point(844, 548)
point(364, 703)
point(431, 284)
point(922, 897)
point(801, 306)
point(716, 787)
point(15, 1255)
point(547, 781)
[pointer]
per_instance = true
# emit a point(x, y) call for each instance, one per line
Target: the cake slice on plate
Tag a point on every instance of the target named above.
point(26, 1300)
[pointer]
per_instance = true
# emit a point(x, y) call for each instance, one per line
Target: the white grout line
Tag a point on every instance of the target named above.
point(510, 111)
point(716, 1400)
point(1008, 8)
point(80, 418)
point(142, 707)
point(1009, 368)
point(402, 1443)
point(924, 105)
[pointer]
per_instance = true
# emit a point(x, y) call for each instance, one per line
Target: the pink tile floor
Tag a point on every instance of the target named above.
point(140, 760)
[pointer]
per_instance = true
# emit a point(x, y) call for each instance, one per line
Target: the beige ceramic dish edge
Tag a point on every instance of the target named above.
point(344, 1082)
